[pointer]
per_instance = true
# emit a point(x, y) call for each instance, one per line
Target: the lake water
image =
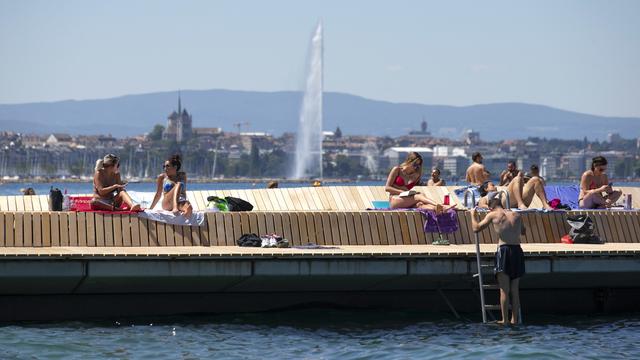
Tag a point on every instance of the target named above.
point(325, 334)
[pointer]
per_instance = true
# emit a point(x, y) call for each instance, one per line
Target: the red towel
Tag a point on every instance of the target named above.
point(83, 204)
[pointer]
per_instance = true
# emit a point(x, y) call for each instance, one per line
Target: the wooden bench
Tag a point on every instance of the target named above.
point(43, 229)
point(326, 198)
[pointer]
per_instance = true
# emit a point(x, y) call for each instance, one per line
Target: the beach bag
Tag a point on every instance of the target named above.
point(582, 230)
point(55, 199)
point(237, 204)
point(249, 240)
point(217, 203)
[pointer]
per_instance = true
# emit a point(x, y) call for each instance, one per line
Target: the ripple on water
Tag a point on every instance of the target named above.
point(323, 334)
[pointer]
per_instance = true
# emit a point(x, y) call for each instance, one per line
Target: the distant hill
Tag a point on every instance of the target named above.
point(277, 112)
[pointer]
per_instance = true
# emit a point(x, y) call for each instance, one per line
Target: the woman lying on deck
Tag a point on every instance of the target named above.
point(172, 183)
point(520, 193)
point(108, 188)
point(403, 178)
point(594, 183)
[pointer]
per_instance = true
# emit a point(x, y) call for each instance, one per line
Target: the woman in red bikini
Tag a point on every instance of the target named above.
point(595, 190)
point(404, 177)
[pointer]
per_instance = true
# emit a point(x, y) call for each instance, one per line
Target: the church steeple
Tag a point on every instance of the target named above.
point(179, 104)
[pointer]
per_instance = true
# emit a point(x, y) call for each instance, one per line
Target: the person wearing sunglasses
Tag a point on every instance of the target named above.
point(108, 188)
point(403, 178)
point(595, 190)
point(172, 186)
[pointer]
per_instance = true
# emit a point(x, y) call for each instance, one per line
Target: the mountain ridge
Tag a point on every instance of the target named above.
point(277, 112)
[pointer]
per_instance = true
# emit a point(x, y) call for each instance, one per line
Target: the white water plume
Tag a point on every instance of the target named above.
point(308, 161)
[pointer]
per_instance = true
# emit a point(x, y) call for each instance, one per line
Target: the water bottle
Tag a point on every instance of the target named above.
point(66, 202)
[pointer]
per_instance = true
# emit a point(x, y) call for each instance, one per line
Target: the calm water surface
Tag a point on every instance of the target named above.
point(324, 334)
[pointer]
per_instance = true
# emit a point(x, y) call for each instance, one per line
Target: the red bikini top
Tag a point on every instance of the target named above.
point(400, 182)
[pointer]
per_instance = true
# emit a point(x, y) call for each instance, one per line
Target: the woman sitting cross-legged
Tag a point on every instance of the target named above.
point(403, 178)
point(172, 187)
point(108, 188)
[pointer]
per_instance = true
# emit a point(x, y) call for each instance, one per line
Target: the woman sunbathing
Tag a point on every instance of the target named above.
point(403, 178)
point(595, 189)
point(172, 186)
point(108, 188)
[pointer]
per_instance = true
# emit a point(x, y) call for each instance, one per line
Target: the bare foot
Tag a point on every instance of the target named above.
point(135, 207)
point(522, 207)
point(439, 209)
point(501, 322)
point(514, 322)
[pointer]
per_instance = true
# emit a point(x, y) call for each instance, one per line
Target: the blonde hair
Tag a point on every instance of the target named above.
point(412, 157)
point(107, 160)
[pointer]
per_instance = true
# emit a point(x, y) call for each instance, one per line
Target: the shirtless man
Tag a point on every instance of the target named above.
point(435, 180)
point(476, 173)
point(509, 261)
point(520, 194)
point(507, 175)
point(593, 183)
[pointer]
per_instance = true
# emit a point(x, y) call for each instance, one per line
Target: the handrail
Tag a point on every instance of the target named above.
point(473, 199)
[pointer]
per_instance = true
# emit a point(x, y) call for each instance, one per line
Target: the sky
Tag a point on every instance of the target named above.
point(575, 55)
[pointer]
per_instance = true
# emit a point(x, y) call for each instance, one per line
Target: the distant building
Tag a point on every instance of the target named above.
point(395, 155)
point(472, 137)
point(548, 167)
point(59, 139)
point(456, 165)
point(178, 125)
point(613, 137)
point(423, 130)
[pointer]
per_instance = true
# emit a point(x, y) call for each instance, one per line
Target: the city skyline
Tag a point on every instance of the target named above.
point(577, 56)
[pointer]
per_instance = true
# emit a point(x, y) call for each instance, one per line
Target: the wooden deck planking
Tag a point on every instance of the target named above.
point(46, 229)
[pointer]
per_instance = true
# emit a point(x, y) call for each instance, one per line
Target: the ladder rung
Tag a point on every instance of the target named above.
point(487, 265)
point(492, 307)
point(490, 286)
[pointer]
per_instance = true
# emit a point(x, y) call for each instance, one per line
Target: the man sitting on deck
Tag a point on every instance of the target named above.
point(520, 194)
point(507, 175)
point(509, 261)
point(476, 172)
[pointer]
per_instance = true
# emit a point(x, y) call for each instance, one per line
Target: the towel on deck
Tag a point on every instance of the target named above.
point(460, 194)
point(567, 194)
point(83, 204)
point(167, 217)
point(446, 222)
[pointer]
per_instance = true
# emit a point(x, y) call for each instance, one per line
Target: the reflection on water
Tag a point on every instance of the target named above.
point(324, 334)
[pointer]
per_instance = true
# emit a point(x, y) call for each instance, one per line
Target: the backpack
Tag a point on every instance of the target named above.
point(582, 230)
point(55, 199)
point(236, 204)
point(249, 240)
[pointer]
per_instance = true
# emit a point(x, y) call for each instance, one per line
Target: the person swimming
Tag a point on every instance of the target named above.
point(171, 185)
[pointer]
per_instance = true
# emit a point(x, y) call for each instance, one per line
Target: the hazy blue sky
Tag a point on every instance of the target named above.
point(575, 55)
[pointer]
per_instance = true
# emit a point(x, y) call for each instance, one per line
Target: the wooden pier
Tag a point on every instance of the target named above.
point(91, 265)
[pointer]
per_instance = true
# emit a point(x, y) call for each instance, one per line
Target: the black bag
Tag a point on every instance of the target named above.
point(249, 240)
point(55, 199)
point(582, 230)
point(236, 204)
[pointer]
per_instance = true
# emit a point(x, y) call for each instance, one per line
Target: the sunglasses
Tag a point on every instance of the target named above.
point(166, 166)
point(416, 166)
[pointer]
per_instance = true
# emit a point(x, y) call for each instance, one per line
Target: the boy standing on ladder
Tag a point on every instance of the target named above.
point(509, 262)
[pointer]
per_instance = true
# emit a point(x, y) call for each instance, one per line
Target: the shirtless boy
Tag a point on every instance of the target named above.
point(594, 183)
point(509, 261)
point(476, 173)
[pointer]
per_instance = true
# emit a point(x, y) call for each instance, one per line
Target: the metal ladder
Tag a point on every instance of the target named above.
point(481, 285)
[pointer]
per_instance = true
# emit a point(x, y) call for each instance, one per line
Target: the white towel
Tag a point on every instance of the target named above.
point(196, 219)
